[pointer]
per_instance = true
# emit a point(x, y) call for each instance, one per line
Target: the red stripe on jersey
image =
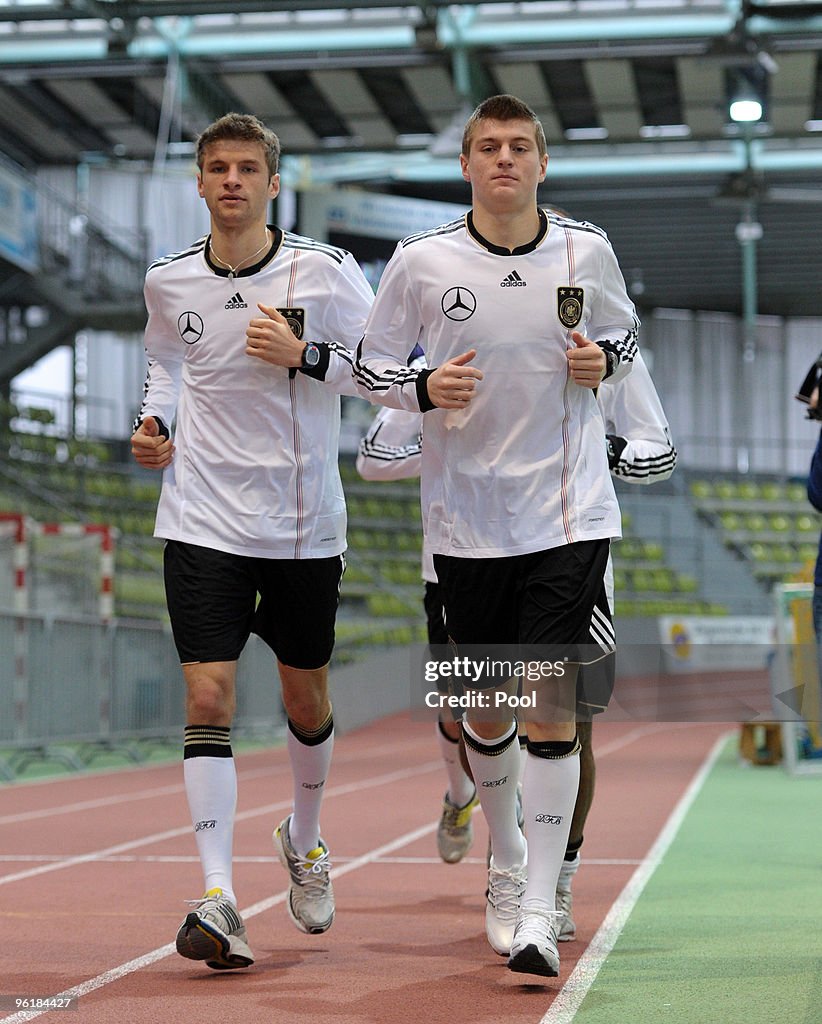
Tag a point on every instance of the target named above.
point(566, 519)
point(299, 497)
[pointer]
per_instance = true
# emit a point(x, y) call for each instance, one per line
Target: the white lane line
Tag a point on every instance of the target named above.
point(159, 837)
point(182, 858)
point(570, 997)
point(342, 759)
point(147, 959)
point(639, 733)
point(118, 799)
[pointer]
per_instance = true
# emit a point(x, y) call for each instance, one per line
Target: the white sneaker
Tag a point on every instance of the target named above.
point(505, 889)
point(534, 946)
point(214, 932)
point(311, 895)
point(564, 900)
point(455, 832)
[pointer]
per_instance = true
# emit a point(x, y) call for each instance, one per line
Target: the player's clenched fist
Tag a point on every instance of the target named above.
point(453, 384)
point(271, 339)
point(586, 362)
point(149, 447)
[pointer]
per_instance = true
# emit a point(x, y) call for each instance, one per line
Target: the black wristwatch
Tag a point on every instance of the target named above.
point(611, 363)
point(311, 355)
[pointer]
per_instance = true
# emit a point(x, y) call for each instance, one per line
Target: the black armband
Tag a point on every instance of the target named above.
point(426, 405)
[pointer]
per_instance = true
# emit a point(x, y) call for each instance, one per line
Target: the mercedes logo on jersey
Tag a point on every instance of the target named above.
point(569, 306)
point(190, 326)
point(459, 303)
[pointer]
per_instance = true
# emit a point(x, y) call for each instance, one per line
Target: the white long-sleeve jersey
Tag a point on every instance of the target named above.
point(632, 410)
point(523, 467)
point(392, 447)
point(255, 469)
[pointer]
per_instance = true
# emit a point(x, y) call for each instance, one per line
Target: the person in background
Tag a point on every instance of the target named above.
point(640, 450)
point(815, 498)
point(246, 342)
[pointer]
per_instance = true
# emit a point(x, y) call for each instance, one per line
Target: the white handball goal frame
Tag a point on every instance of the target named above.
point(23, 533)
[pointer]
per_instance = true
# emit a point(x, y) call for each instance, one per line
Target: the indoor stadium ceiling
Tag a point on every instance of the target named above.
point(633, 95)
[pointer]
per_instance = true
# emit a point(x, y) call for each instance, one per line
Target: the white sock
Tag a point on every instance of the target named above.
point(211, 789)
point(496, 774)
point(310, 764)
point(460, 787)
point(549, 793)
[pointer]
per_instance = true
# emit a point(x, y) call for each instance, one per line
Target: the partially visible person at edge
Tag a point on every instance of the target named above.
point(640, 451)
point(248, 341)
point(815, 498)
point(518, 504)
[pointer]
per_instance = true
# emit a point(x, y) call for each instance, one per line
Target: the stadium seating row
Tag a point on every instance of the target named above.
point(769, 523)
point(382, 589)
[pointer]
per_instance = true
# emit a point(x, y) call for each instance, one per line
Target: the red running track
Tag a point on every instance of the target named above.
point(94, 870)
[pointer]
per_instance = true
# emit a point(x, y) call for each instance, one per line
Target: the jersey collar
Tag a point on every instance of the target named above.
point(267, 257)
point(500, 250)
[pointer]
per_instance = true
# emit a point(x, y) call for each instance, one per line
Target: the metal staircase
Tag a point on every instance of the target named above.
point(82, 275)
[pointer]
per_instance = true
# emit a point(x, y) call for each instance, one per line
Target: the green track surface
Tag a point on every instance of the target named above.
point(728, 929)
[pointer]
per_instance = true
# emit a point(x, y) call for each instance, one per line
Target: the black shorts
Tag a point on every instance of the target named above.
point(437, 633)
point(595, 687)
point(553, 599)
point(213, 607)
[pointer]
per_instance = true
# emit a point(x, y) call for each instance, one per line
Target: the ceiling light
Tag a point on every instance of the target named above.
point(585, 134)
point(746, 93)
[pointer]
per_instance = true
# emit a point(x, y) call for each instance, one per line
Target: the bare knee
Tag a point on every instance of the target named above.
point(305, 696)
point(210, 696)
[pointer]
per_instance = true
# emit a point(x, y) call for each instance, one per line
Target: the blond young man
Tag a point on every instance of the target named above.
point(520, 319)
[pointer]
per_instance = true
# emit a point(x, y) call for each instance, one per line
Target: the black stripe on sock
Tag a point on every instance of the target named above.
point(445, 734)
point(573, 848)
point(314, 737)
point(553, 751)
point(491, 750)
point(207, 741)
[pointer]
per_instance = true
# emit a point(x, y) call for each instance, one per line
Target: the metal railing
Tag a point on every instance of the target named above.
point(70, 687)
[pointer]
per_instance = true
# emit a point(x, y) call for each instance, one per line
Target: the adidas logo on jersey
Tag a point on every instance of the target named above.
point(236, 302)
point(513, 281)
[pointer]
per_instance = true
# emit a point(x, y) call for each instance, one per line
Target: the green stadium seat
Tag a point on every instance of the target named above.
point(772, 491)
point(701, 489)
point(747, 490)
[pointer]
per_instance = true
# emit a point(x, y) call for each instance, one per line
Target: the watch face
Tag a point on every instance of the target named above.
point(311, 355)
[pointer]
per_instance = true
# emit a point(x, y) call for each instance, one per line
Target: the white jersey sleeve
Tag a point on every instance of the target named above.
point(392, 448)
point(393, 329)
point(165, 362)
point(349, 291)
point(632, 411)
point(612, 309)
